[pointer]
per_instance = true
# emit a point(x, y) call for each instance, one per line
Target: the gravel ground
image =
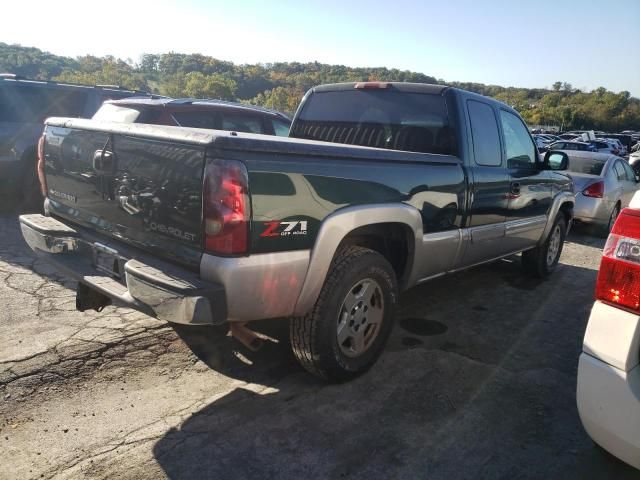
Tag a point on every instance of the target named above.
point(478, 381)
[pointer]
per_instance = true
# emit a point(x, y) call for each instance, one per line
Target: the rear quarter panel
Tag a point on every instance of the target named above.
point(302, 190)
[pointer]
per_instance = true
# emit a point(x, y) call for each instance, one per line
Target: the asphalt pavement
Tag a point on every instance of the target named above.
point(477, 381)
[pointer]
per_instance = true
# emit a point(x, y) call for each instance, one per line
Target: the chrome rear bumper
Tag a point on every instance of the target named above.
point(158, 288)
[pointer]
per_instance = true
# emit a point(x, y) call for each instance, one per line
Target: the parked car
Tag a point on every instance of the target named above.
point(622, 150)
point(189, 112)
point(625, 139)
point(634, 161)
point(605, 146)
point(572, 146)
point(608, 388)
point(205, 227)
point(541, 142)
point(24, 105)
point(604, 185)
point(569, 136)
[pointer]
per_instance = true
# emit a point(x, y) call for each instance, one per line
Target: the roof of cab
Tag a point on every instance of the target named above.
point(400, 86)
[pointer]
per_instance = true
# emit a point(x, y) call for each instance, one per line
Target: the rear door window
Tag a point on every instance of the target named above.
point(382, 118)
point(631, 176)
point(484, 133)
point(621, 175)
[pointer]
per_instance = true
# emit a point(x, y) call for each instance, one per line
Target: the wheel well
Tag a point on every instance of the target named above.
point(394, 241)
point(567, 210)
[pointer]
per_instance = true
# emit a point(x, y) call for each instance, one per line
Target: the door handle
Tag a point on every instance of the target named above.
point(103, 161)
point(515, 188)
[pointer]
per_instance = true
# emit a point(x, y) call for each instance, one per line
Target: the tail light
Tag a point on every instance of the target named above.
point(40, 166)
point(226, 209)
point(595, 190)
point(619, 276)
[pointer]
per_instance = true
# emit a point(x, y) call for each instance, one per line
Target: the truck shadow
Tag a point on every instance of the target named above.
point(490, 395)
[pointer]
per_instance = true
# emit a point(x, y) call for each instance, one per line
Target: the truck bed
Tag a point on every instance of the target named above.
point(151, 194)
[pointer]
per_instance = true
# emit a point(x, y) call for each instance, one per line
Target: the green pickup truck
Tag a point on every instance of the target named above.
point(379, 187)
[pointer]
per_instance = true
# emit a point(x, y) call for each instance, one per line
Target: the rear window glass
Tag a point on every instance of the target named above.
point(32, 103)
point(116, 113)
point(388, 119)
point(590, 166)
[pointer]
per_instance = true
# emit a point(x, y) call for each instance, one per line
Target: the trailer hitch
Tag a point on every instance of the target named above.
point(89, 299)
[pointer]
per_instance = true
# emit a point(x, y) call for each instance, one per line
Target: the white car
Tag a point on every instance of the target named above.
point(608, 392)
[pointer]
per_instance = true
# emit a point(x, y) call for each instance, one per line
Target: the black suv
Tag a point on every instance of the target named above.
point(24, 105)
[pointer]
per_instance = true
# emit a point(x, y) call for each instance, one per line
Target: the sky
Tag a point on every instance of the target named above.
point(523, 43)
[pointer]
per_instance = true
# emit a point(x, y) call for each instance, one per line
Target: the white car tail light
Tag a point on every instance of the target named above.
point(619, 277)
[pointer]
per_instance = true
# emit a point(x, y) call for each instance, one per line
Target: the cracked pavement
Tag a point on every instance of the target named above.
point(478, 381)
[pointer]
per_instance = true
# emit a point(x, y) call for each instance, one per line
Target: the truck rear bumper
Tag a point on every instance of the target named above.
point(157, 288)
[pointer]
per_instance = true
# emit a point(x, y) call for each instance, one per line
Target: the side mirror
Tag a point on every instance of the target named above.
point(556, 160)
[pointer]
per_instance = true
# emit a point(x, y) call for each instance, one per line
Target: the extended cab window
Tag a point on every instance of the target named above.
point(415, 122)
point(484, 132)
point(520, 149)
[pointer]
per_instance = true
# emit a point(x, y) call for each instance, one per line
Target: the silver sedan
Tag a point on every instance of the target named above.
point(604, 184)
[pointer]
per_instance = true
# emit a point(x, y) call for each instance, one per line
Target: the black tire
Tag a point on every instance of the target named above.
point(606, 230)
point(537, 261)
point(314, 337)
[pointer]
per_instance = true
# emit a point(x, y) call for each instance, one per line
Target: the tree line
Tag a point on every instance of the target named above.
point(281, 85)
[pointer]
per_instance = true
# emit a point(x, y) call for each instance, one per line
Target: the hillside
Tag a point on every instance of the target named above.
point(282, 85)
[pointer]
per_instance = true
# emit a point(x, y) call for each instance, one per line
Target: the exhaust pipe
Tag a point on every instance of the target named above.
point(246, 336)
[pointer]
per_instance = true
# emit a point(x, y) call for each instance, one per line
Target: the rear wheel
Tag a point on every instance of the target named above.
point(346, 331)
point(543, 260)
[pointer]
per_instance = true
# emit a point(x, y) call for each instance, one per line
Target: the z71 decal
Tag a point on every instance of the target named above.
point(284, 229)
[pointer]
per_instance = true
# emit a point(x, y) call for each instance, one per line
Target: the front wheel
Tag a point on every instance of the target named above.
point(346, 331)
point(543, 260)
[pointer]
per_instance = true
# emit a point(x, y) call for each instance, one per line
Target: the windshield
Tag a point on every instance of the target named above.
point(395, 120)
point(590, 166)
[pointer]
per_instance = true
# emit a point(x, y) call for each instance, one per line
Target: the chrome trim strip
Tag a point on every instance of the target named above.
point(483, 233)
point(515, 227)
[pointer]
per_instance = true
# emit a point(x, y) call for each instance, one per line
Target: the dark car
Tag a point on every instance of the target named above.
point(576, 146)
point(208, 227)
point(189, 112)
point(24, 105)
